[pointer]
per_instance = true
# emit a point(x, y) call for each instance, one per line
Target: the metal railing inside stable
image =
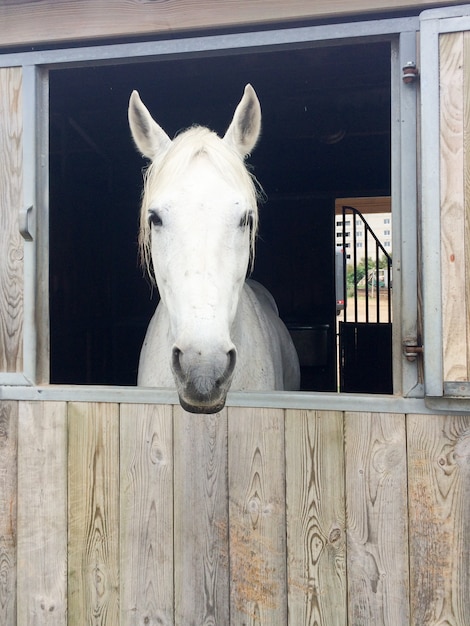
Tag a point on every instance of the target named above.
point(365, 343)
point(371, 269)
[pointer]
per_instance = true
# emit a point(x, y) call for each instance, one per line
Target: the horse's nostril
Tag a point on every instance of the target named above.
point(231, 361)
point(175, 358)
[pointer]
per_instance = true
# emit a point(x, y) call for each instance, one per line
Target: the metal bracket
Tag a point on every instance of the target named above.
point(23, 223)
point(410, 72)
point(411, 350)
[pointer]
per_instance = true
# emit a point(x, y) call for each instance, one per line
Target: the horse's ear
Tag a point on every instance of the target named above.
point(245, 127)
point(150, 139)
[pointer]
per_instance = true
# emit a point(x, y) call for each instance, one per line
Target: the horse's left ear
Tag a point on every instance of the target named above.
point(245, 128)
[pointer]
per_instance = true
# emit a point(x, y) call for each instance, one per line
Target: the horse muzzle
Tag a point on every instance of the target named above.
point(203, 379)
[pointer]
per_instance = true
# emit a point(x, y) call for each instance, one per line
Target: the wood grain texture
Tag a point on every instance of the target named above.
point(439, 484)
point(258, 579)
point(29, 21)
point(230, 565)
point(8, 508)
point(93, 513)
point(453, 244)
point(201, 519)
point(466, 182)
point(11, 246)
point(42, 513)
point(316, 535)
point(376, 506)
point(146, 515)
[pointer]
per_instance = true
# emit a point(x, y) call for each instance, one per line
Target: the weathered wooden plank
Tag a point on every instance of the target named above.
point(453, 255)
point(201, 519)
point(258, 593)
point(11, 246)
point(376, 508)
point(93, 513)
point(42, 513)
point(439, 485)
point(28, 21)
point(316, 534)
point(8, 507)
point(466, 169)
point(146, 536)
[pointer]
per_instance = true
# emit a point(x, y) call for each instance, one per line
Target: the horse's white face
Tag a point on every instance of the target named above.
point(200, 253)
point(200, 217)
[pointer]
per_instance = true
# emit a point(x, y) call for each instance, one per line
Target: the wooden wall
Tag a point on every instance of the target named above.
point(143, 514)
point(25, 22)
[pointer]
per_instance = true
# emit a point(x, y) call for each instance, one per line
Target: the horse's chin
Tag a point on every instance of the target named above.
point(202, 408)
point(198, 406)
point(194, 401)
point(203, 384)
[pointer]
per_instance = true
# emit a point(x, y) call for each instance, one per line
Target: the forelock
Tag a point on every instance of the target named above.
point(173, 165)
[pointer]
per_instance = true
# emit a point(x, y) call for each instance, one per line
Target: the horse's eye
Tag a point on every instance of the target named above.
point(247, 220)
point(154, 218)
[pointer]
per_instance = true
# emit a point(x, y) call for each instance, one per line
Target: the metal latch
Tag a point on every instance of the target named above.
point(23, 223)
point(411, 350)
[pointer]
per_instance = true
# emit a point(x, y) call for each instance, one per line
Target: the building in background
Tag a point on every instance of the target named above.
point(376, 212)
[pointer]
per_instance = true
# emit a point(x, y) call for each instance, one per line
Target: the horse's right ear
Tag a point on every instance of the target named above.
point(150, 139)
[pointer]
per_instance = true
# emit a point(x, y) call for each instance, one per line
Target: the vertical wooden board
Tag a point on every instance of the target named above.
point(146, 536)
point(466, 167)
point(11, 244)
point(93, 513)
point(376, 519)
point(8, 507)
point(439, 501)
point(316, 534)
point(258, 581)
point(453, 255)
point(42, 513)
point(201, 519)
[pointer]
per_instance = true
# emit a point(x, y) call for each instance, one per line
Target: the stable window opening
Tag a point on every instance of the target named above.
point(326, 136)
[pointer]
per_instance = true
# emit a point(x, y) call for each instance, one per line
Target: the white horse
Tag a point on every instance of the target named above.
point(212, 330)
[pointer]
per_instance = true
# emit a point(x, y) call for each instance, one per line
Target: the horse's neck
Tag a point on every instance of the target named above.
point(263, 297)
point(255, 302)
point(254, 335)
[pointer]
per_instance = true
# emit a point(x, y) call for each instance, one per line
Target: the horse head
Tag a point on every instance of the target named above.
point(198, 222)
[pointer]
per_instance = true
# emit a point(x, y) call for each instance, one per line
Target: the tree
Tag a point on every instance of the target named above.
point(352, 281)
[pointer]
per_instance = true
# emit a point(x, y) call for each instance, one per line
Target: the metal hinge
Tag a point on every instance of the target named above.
point(410, 72)
point(411, 349)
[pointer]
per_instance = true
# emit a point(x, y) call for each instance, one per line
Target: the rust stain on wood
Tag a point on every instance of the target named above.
point(253, 580)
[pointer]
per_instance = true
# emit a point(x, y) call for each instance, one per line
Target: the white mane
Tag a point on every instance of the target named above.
point(171, 167)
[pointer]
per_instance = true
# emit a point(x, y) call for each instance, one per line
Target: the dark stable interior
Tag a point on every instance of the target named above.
point(326, 134)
